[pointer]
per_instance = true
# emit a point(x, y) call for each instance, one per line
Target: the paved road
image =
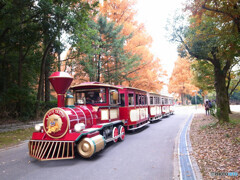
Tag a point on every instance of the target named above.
point(147, 154)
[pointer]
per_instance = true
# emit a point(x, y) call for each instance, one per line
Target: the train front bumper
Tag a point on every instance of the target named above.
point(51, 150)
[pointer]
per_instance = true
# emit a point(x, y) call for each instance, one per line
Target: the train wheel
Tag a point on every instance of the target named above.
point(121, 131)
point(115, 134)
point(86, 148)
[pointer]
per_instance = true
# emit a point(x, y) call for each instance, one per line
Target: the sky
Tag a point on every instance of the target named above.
point(154, 14)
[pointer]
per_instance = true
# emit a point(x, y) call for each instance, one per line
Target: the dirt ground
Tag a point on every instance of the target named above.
point(216, 147)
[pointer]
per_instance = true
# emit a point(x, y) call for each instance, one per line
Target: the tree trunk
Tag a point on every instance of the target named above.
point(221, 95)
point(42, 89)
point(116, 77)
point(42, 73)
point(47, 83)
point(182, 98)
point(4, 73)
point(99, 68)
point(228, 97)
point(59, 61)
point(20, 65)
point(41, 78)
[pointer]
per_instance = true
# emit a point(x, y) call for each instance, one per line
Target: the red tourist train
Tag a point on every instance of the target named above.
point(95, 115)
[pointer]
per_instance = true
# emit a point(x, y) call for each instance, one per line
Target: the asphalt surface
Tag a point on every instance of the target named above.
point(145, 154)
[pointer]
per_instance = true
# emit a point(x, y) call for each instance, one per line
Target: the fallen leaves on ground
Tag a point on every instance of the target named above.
point(216, 147)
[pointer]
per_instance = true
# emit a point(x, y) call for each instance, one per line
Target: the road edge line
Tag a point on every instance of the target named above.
point(176, 161)
point(193, 161)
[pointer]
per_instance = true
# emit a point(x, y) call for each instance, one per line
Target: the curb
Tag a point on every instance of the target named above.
point(195, 166)
point(177, 166)
point(177, 172)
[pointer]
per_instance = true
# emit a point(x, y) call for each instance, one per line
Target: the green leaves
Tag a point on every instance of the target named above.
point(31, 34)
point(203, 75)
point(103, 57)
point(212, 38)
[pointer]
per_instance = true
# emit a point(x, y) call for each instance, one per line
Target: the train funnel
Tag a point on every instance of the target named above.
point(60, 82)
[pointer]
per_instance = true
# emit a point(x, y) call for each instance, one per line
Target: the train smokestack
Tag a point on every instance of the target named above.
point(60, 82)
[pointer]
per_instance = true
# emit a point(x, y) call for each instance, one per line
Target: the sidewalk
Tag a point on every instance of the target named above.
point(16, 126)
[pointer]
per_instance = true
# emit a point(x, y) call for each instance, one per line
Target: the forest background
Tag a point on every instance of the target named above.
point(107, 44)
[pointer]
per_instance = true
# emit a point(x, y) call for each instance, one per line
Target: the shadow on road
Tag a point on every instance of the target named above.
point(157, 121)
point(137, 130)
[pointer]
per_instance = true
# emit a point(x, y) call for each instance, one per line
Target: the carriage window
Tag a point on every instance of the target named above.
point(113, 96)
point(158, 101)
point(151, 100)
point(143, 100)
point(166, 101)
point(137, 99)
point(90, 96)
point(130, 99)
point(122, 99)
point(155, 100)
point(140, 99)
point(163, 101)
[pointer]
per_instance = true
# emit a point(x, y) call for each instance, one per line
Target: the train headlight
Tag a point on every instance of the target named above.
point(79, 126)
point(38, 127)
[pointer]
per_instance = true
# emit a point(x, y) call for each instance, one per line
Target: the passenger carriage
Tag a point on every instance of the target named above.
point(172, 105)
point(154, 106)
point(167, 105)
point(134, 108)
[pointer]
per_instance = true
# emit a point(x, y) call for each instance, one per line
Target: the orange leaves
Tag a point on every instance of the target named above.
point(180, 81)
point(215, 146)
point(224, 12)
point(147, 74)
point(120, 11)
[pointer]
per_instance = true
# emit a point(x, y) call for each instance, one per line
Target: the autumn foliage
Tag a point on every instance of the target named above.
point(146, 76)
point(133, 66)
point(181, 79)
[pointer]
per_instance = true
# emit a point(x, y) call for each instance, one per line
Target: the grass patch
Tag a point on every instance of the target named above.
point(211, 125)
point(234, 121)
point(11, 138)
point(235, 118)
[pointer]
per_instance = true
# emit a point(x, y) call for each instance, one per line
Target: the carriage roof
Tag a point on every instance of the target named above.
point(94, 84)
point(132, 88)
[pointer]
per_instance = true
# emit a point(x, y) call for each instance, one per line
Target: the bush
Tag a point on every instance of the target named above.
point(21, 104)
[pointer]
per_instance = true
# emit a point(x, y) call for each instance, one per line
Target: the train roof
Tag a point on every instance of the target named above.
point(94, 84)
point(162, 95)
point(168, 96)
point(153, 93)
point(131, 88)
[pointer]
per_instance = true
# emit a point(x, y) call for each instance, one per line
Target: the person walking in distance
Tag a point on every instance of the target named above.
point(207, 107)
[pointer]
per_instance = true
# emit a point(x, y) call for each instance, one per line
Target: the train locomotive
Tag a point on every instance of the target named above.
point(94, 115)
